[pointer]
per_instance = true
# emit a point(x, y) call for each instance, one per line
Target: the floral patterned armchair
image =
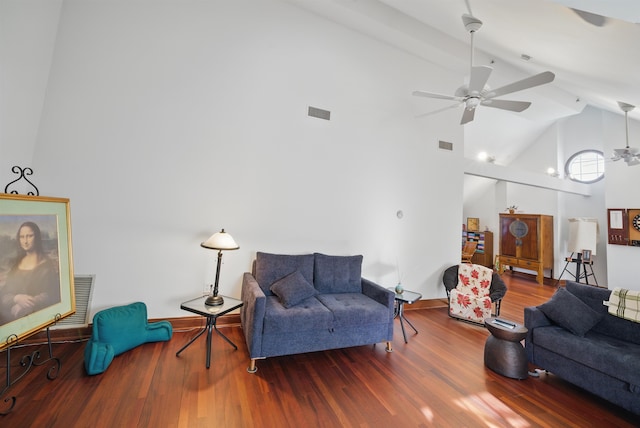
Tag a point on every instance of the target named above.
point(472, 290)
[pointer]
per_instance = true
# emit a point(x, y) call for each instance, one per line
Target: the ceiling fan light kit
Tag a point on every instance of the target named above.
point(630, 155)
point(476, 92)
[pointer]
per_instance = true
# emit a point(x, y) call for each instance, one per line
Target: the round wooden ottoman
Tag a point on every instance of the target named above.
point(503, 352)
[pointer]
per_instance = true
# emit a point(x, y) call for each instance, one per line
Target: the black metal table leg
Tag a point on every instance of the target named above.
point(224, 337)
point(191, 341)
point(400, 315)
point(210, 323)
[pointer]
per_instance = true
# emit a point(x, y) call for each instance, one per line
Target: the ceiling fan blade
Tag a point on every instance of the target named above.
point(517, 106)
point(520, 85)
point(434, 95)
point(620, 152)
point(468, 6)
point(478, 78)
point(438, 111)
point(633, 161)
point(467, 116)
point(591, 18)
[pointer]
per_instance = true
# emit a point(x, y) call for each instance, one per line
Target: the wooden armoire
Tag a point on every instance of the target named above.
point(526, 242)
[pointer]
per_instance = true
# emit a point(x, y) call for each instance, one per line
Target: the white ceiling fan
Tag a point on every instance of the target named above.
point(630, 155)
point(476, 92)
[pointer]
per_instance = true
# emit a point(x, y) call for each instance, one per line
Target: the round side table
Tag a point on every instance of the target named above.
point(503, 352)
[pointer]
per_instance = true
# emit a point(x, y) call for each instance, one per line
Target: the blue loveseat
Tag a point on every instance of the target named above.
point(574, 337)
point(312, 302)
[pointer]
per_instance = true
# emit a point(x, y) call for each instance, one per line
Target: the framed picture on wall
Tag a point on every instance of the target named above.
point(586, 256)
point(473, 224)
point(617, 226)
point(36, 265)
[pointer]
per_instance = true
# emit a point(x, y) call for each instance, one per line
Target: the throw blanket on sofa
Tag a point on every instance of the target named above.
point(625, 304)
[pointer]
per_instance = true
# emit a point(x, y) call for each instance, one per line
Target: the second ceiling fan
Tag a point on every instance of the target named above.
point(476, 92)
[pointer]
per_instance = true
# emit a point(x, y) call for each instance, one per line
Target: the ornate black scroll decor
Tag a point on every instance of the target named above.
point(24, 172)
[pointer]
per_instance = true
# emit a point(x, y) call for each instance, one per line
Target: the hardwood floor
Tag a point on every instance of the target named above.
point(437, 379)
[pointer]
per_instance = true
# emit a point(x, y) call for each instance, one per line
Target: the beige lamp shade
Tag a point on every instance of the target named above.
point(220, 241)
point(583, 234)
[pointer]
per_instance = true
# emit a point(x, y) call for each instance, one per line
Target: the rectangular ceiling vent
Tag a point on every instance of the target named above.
point(319, 113)
point(445, 145)
point(83, 285)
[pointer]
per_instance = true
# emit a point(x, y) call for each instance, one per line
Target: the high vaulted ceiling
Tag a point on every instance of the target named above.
point(595, 57)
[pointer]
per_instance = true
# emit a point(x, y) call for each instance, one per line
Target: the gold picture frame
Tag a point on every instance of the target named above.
point(473, 224)
point(36, 265)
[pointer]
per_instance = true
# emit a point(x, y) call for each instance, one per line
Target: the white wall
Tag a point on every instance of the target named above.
point(581, 132)
point(479, 201)
point(621, 192)
point(27, 37)
point(166, 121)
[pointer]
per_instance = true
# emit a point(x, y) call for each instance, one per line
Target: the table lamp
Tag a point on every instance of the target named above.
point(218, 241)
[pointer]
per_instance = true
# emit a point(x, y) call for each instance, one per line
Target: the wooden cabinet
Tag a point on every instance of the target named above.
point(526, 242)
point(484, 251)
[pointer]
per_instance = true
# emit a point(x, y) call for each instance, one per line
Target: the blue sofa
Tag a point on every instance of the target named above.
point(574, 337)
point(312, 302)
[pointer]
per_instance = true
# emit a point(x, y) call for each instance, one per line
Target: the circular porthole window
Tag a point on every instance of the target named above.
point(586, 166)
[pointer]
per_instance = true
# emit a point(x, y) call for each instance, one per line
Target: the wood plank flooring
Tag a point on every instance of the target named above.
point(438, 379)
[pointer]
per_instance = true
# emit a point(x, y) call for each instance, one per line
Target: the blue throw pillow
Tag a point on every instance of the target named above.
point(570, 313)
point(272, 267)
point(293, 289)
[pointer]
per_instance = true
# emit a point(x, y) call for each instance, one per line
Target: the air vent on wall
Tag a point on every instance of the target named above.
point(319, 113)
point(445, 145)
point(83, 285)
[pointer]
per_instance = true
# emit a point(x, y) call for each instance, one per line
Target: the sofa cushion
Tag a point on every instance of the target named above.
point(309, 315)
point(613, 357)
point(293, 289)
point(354, 309)
point(570, 312)
point(337, 274)
point(272, 267)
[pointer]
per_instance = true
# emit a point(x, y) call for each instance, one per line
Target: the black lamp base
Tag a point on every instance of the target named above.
point(214, 301)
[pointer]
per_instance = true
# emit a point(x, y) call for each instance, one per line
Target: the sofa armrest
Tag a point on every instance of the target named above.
point(159, 331)
point(382, 296)
point(252, 314)
point(378, 293)
point(97, 357)
point(533, 318)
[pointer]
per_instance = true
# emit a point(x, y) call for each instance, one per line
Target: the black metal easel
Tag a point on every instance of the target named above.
point(27, 362)
point(581, 268)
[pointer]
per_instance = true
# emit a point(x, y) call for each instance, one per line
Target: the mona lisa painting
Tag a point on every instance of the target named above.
point(36, 269)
